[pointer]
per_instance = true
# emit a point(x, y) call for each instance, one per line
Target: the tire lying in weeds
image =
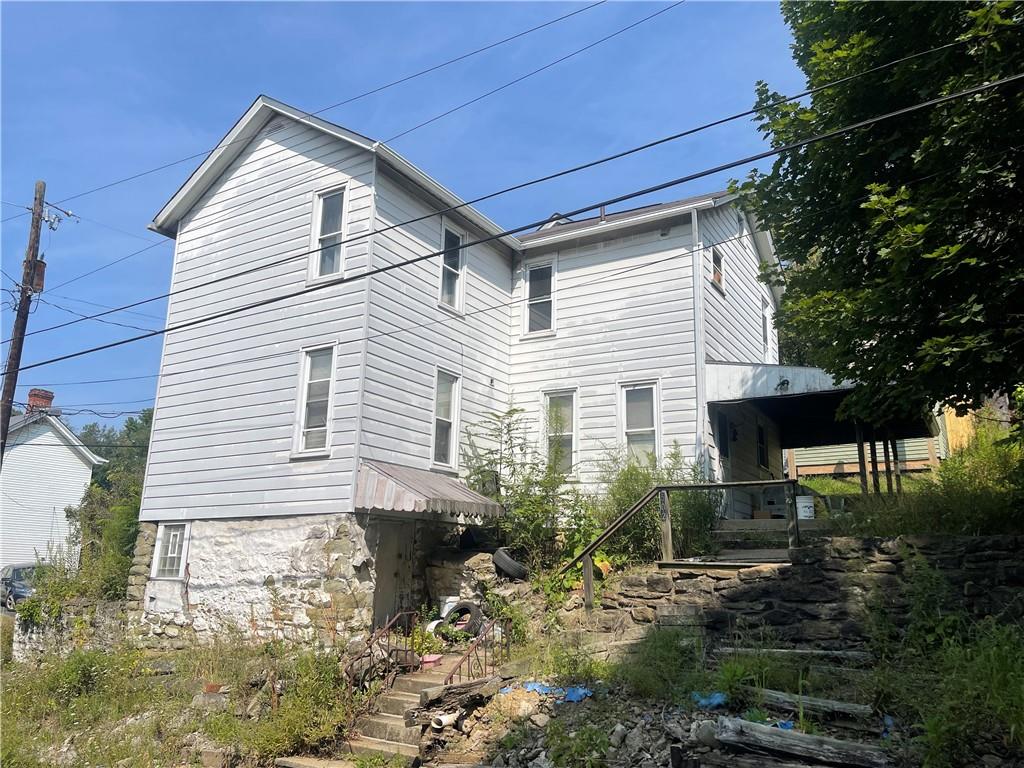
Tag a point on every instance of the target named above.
point(465, 617)
point(512, 568)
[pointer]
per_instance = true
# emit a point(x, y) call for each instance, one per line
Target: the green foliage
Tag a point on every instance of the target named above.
point(668, 665)
point(546, 518)
point(513, 616)
point(977, 490)
point(6, 638)
point(755, 715)
point(584, 747)
point(887, 285)
point(693, 512)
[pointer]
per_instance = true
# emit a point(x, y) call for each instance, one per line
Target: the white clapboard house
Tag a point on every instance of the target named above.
point(333, 418)
point(46, 469)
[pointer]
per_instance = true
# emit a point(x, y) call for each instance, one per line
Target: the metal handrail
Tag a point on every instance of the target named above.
point(648, 497)
point(504, 652)
point(378, 635)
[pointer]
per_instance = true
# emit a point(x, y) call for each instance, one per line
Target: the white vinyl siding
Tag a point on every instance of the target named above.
point(40, 478)
point(451, 270)
point(224, 424)
point(446, 417)
point(561, 429)
point(171, 548)
point(625, 314)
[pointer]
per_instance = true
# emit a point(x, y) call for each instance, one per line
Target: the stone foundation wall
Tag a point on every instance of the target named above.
point(823, 598)
point(81, 625)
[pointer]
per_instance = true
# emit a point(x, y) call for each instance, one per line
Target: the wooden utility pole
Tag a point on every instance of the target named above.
point(31, 282)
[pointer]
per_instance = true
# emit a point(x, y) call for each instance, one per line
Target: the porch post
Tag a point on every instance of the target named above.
point(861, 463)
point(896, 464)
point(588, 583)
point(793, 471)
point(792, 524)
point(888, 463)
point(666, 526)
point(874, 465)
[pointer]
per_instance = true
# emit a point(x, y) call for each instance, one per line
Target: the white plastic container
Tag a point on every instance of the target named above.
point(805, 507)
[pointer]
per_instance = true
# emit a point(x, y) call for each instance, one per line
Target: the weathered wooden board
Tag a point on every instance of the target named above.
point(741, 734)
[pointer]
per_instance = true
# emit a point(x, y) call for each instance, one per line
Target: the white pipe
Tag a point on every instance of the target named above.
point(441, 722)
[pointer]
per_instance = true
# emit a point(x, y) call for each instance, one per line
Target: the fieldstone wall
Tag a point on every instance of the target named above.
point(823, 598)
point(81, 625)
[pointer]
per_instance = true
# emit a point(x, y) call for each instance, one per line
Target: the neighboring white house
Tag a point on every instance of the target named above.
point(305, 455)
point(46, 469)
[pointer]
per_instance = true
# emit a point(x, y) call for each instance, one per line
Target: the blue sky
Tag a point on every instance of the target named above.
point(93, 92)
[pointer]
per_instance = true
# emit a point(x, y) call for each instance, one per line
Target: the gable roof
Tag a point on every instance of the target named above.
point(262, 111)
point(69, 438)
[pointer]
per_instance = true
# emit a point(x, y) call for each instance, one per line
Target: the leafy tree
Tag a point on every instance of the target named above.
point(901, 243)
point(127, 458)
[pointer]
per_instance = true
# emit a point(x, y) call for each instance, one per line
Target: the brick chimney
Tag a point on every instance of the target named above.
point(39, 400)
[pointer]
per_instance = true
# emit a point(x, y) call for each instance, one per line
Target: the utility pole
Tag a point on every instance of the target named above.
point(31, 282)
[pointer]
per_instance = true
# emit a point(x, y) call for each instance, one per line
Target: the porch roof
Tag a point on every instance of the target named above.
point(802, 401)
point(396, 490)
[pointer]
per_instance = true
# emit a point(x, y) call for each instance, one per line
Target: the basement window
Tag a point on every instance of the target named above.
point(171, 542)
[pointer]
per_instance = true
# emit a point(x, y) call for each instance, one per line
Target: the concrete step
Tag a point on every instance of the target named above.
point(362, 745)
point(818, 525)
point(773, 555)
point(388, 728)
point(419, 681)
point(397, 702)
point(299, 761)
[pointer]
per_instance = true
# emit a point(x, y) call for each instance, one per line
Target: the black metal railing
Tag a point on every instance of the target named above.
point(486, 654)
point(390, 646)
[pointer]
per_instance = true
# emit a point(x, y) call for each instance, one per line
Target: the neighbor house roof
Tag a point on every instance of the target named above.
point(262, 111)
point(401, 491)
point(62, 431)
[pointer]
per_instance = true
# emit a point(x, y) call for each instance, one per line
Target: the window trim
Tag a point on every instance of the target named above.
point(654, 384)
point(460, 288)
point(528, 266)
point(161, 529)
point(766, 327)
point(453, 466)
point(313, 266)
point(759, 432)
point(300, 402)
point(574, 430)
point(719, 284)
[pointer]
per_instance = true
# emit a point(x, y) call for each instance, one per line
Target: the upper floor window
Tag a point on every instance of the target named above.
point(451, 270)
point(639, 423)
point(330, 209)
point(169, 562)
point(765, 326)
point(762, 448)
point(561, 431)
point(445, 412)
point(540, 305)
point(718, 269)
point(316, 397)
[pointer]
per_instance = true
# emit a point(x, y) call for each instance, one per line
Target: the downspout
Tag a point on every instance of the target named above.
point(700, 438)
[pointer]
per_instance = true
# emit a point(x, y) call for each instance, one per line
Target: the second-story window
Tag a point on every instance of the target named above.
point(316, 397)
point(640, 427)
point(330, 215)
point(718, 269)
point(451, 270)
point(561, 407)
point(540, 306)
point(765, 323)
point(445, 413)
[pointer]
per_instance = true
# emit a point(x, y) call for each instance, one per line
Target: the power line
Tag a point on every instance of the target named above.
point(92, 381)
point(537, 71)
point(612, 201)
point(513, 188)
point(105, 266)
point(87, 317)
point(349, 100)
point(104, 306)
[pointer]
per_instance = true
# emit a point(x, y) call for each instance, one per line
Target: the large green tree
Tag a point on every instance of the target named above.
point(901, 243)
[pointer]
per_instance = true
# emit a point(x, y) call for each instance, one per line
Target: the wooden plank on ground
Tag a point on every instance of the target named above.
point(811, 704)
point(741, 734)
point(796, 654)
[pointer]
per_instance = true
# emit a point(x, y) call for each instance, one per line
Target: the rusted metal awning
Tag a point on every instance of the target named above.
point(394, 490)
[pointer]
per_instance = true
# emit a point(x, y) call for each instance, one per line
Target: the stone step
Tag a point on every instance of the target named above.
point(818, 525)
point(384, 727)
point(301, 761)
point(397, 702)
point(680, 616)
point(361, 745)
point(774, 555)
point(419, 681)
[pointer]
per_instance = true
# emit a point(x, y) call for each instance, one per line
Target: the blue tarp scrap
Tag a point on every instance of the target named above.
point(577, 693)
point(785, 725)
point(571, 695)
point(711, 701)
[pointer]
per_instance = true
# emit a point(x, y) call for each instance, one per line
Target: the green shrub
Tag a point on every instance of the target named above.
point(668, 665)
point(6, 638)
point(584, 747)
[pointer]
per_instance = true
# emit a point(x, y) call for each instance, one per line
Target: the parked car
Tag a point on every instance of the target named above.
point(16, 583)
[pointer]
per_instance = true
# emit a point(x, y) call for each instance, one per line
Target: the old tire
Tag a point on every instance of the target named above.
point(9, 603)
point(512, 568)
point(475, 621)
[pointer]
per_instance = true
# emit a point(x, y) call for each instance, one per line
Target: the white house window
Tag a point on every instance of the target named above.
point(316, 397)
point(445, 411)
point(540, 306)
point(561, 413)
point(451, 270)
point(762, 448)
point(170, 551)
point(765, 323)
point(641, 432)
point(330, 215)
point(718, 269)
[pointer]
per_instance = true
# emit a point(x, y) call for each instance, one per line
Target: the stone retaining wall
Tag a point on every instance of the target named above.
point(81, 625)
point(823, 598)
